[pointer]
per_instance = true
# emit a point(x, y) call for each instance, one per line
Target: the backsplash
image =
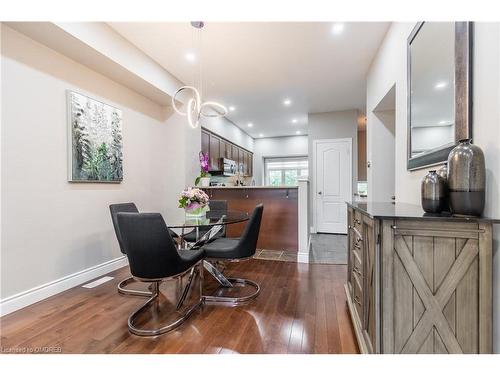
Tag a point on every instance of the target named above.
point(231, 181)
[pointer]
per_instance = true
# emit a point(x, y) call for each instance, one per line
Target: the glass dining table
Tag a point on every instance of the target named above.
point(212, 218)
point(202, 225)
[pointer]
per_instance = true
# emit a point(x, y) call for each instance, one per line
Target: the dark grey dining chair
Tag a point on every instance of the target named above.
point(234, 250)
point(115, 209)
point(153, 258)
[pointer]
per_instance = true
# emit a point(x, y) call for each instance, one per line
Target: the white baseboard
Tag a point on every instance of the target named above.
point(303, 256)
point(28, 297)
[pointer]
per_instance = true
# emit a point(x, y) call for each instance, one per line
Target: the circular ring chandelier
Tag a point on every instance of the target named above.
point(195, 109)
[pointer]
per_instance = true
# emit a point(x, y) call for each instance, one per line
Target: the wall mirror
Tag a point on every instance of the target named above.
point(439, 90)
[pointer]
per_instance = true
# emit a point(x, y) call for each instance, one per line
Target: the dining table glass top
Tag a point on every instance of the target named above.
point(211, 218)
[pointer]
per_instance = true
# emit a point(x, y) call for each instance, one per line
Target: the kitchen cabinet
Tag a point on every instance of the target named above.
point(214, 153)
point(248, 164)
point(241, 158)
point(416, 283)
point(234, 153)
point(205, 142)
point(217, 148)
point(225, 149)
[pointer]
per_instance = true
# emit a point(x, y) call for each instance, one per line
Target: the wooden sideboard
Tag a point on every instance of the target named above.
point(419, 283)
point(279, 227)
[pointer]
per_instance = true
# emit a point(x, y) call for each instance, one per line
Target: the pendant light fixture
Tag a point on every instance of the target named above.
point(195, 109)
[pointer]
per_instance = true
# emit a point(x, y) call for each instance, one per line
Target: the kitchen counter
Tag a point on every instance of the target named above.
point(249, 187)
point(279, 228)
point(391, 210)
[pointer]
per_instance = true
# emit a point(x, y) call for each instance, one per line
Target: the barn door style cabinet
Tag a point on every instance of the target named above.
point(417, 283)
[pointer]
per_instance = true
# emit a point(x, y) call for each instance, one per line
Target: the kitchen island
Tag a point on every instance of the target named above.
point(279, 228)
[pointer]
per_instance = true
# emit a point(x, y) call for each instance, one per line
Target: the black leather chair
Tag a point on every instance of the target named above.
point(127, 207)
point(215, 205)
point(234, 250)
point(153, 258)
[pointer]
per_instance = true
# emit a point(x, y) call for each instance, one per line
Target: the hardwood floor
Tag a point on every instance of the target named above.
point(301, 309)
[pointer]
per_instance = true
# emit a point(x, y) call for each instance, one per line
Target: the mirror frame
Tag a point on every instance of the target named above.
point(463, 95)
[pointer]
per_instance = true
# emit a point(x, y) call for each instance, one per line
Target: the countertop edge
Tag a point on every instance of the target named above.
point(402, 216)
point(249, 187)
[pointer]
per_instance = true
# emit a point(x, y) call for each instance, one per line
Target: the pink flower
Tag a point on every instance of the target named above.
point(203, 161)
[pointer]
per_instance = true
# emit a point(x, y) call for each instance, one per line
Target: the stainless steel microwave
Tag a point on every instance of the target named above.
point(229, 167)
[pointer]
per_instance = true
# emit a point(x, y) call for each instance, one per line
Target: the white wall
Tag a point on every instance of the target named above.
point(276, 147)
point(228, 130)
point(52, 228)
point(330, 125)
point(389, 68)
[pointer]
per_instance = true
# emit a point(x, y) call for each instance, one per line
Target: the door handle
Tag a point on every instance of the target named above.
point(319, 192)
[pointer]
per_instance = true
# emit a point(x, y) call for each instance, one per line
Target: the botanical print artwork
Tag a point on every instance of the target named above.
point(96, 140)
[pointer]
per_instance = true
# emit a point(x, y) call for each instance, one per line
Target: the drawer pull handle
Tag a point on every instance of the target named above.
point(356, 221)
point(358, 235)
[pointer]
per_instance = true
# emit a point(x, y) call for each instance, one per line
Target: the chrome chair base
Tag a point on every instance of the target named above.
point(132, 292)
point(234, 301)
point(155, 286)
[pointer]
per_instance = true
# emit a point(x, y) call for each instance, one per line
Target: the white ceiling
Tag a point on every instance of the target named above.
point(254, 66)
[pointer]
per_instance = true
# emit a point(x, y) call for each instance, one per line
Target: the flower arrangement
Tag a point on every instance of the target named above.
point(203, 167)
point(194, 201)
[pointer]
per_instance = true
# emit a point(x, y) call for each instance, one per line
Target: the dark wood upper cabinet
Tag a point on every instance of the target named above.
point(234, 153)
point(245, 163)
point(241, 157)
point(225, 149)
point(250, 164)
point(205, 142)
point(214, 161)
point(218, 148)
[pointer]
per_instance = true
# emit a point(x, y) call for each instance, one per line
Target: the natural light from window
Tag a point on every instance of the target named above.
point(285, 171)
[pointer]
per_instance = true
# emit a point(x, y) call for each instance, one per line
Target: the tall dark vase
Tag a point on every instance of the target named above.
point(466, 179)
point(433, 193)
point(443, 172)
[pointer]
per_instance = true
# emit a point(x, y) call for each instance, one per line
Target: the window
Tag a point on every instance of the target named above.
point(285, 171)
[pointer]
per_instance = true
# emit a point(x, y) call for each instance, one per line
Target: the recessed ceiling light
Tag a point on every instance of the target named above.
point(294, 120)
point(261, 135)
point(190, 56)
point(337, 28)
point(249, 124)
point(287, 102)
point(441, 85)
point(232, 108)
point(297, 132)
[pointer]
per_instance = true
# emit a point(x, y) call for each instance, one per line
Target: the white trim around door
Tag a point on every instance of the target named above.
point(332, 184)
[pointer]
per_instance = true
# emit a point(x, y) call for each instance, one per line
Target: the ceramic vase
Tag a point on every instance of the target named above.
point(443, 172)
point(433, 193)
point(466, 179)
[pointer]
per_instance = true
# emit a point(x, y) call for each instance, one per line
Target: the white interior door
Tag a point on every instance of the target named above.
point(333, 184)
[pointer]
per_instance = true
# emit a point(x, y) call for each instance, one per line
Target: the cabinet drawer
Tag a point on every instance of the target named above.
point(357, 263)
point(357, 295)
point(357, 220)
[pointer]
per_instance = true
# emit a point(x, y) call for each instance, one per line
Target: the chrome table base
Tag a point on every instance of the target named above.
point(229, 283)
